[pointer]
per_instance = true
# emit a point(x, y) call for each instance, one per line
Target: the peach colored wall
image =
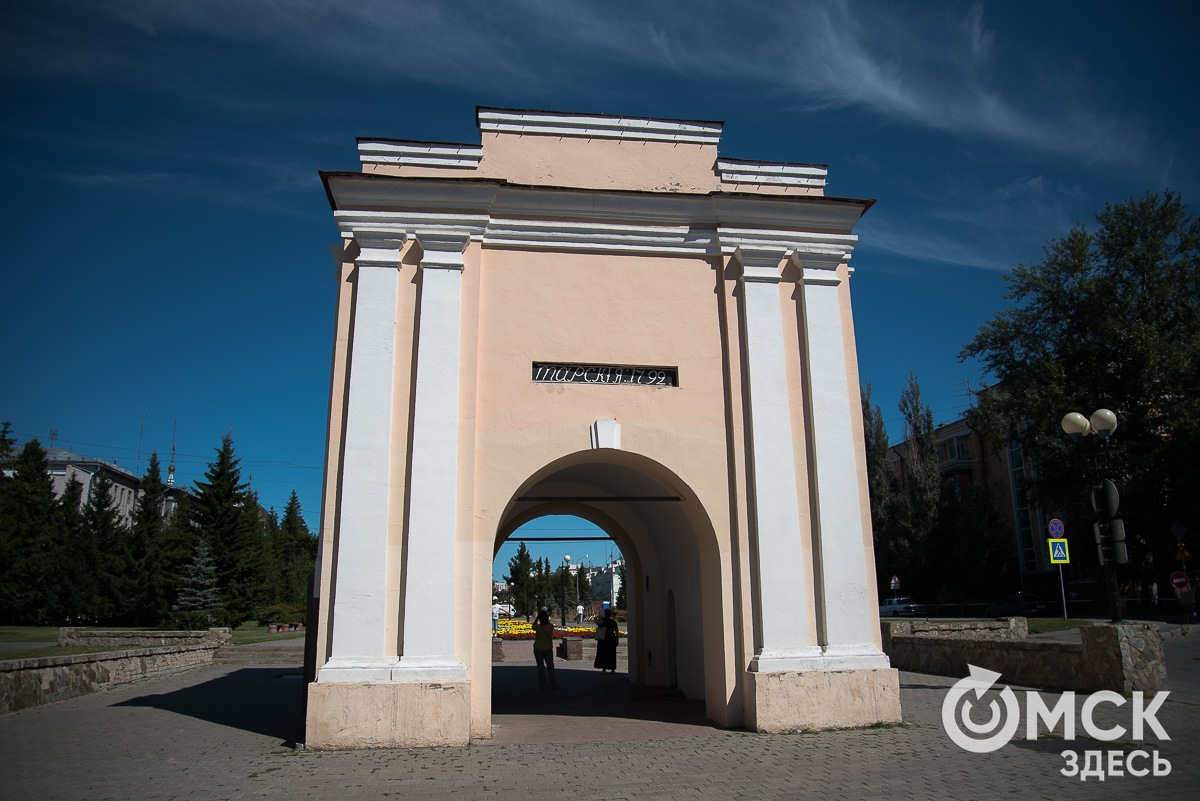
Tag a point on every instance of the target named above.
point(859, 446)
point(333, 443)
point(596, 164)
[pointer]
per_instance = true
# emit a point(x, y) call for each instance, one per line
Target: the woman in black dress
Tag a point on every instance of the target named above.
point(606, 643)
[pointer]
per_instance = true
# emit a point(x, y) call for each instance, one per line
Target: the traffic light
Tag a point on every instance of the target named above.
point(1110, 537)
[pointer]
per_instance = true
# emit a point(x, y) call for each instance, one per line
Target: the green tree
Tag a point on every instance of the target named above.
point(1108, 318)
point(145, 604)
point(886, 500)
point(905, 545)
point(110, 539)
point(298, 553)
point(226, 514)
point(177, 547)
point(520, 571)
point(198, 603)
point(27, 538)
point(76, 559)
point(7, 446)
point(621, 597)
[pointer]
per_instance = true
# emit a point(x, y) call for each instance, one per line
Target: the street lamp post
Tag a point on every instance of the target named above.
point(1109, 530)
point(562, 582)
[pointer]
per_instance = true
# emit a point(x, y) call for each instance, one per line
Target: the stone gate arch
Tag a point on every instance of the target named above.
point(591, 297)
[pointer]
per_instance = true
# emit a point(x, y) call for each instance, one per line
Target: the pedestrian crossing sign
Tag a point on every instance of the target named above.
point(1058, 552)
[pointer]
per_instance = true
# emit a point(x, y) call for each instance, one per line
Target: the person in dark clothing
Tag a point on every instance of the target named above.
point(606, 643)
point(543, 649)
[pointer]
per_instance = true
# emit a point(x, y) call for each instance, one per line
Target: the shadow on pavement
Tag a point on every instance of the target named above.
point(588, 693)
point(268, 701)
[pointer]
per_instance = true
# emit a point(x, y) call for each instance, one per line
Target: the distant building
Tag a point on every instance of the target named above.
point(606, 582)
point(966, 458)
point(66, 467)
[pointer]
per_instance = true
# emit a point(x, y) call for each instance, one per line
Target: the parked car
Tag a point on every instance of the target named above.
point(1022, 604)
point(902, 606)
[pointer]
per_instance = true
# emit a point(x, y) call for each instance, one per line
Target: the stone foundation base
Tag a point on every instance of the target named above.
point(343, 715)
point(823, 699)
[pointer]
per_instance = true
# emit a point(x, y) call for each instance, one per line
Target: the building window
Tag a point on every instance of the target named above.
point(954, 448)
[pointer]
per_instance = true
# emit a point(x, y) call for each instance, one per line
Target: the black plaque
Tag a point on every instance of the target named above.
point(554, 373)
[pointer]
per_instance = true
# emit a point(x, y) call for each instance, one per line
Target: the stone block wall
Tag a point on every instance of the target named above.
point(1120, 658)
point(142, 639)
point(29, 682)
point(1012, 628)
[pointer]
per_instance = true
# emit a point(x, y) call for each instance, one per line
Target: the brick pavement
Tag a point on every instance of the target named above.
point(224, 731)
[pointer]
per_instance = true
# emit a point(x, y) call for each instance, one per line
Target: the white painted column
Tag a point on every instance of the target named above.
point(838, 530)
point(782, 594)
point(360, 582)
point(428, 637)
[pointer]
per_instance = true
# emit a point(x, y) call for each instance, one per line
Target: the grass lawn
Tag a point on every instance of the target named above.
point(58, 650)
point(29, 634)
point(1043, 625)
point(252, 632)
point(50, 633)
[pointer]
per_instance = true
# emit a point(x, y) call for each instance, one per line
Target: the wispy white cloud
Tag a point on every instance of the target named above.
point(922, 244)
point(943, 70)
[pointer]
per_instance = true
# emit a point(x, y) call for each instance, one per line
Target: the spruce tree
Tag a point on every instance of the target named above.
point(7, 446)
point(27, 522)
point(110, 538)
point(176, 548)
point(298, 555)
point(198, 602)
point(520, 566)
point(226, 515)
point(145, 548)
point(76, 558)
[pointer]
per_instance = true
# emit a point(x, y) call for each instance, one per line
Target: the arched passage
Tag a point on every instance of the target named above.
point(673, 593)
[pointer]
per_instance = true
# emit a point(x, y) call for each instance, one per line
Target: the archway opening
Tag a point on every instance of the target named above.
point(588, 510)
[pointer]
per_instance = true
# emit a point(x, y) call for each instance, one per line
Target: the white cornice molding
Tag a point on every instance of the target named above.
point(741, 171)
point(420, 154)
point(359, 224)
point(646, 129)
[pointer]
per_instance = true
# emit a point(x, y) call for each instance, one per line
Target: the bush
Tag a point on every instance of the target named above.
point(282, 613)
point(198, 619)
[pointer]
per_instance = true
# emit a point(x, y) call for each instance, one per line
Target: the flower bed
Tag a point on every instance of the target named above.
point(516, 629)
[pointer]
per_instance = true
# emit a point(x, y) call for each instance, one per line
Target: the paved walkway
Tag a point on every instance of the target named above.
point(227, 732)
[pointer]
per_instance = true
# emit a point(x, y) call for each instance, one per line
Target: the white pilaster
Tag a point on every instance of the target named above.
point(775, 503)
point(837, 516)
point(428, 639)
point(360, 583)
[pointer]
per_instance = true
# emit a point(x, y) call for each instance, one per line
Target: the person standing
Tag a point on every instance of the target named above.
point(495, 614)
point(579, 614)
point(543, 649)
point(607, 636)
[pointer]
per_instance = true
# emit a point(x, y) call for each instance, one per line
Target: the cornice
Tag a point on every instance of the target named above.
point(419, 154)
point(813, 231)
point(598, 126)
point(778, 173)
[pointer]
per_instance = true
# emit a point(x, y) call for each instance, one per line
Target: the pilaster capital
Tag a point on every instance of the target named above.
point(759, 264)
point(819, 268)
point(442, 250)
point(379, 248)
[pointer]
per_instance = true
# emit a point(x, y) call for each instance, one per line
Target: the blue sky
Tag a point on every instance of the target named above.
point(167, 236)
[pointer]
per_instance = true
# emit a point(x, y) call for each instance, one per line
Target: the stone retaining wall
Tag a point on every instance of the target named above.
point(30, 682)
point(142, 639)
point(1122, 657)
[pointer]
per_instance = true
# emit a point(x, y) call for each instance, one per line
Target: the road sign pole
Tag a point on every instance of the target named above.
point(1062, 586)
